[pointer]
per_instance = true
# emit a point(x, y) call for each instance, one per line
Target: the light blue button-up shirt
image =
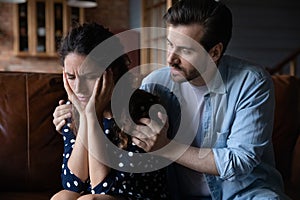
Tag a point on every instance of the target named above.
point(237, 124)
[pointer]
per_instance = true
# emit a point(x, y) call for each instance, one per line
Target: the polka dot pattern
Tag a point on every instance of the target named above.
point(69, 180)
point(150, 185)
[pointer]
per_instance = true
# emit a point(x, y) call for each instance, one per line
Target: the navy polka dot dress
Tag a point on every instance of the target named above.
point(150, 185)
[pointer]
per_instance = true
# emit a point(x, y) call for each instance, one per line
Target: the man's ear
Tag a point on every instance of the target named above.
point(216, 52)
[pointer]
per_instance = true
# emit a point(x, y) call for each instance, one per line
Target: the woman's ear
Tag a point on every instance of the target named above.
point(216, 52)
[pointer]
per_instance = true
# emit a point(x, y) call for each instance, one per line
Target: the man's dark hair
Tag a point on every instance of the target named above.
point(215, 17)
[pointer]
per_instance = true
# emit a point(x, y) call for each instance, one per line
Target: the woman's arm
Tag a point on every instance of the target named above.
point(96, 142)
point(78, 161)
point(97, 169)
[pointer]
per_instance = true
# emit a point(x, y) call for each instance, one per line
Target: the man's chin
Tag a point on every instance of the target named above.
point(177, 77)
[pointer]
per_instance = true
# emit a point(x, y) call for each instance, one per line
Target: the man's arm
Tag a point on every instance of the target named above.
point(152, 138)
point(199, 159)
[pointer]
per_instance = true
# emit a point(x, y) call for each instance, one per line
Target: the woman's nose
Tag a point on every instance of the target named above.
point(80, 86)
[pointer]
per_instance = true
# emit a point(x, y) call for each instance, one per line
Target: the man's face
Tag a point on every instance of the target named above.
point(185, 55)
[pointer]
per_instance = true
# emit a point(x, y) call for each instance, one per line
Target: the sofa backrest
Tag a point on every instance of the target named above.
point(286, 132)
point(30, 148)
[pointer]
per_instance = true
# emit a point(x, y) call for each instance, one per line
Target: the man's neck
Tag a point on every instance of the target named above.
point(209, 74)
point(199, 81)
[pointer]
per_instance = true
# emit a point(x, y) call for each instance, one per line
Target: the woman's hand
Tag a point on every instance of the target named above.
point(100, 98)
point(102, 93)
point(72, 96)
point(61, 113)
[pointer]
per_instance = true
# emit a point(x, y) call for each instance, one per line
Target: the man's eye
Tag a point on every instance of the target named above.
point(169, 44)
point(186, 51)
point(71, 77)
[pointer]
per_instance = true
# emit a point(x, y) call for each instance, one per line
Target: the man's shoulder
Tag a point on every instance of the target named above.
point(161, 75)
point(241, 67)
point(159, 82)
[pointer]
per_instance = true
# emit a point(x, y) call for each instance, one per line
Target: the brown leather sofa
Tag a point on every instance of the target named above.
point(31, 149)
point(286, 132)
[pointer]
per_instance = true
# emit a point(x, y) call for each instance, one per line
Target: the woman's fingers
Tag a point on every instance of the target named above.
point(107, 77)
point(67, 86)
point(107, 85)
point(104, 90)
point(95, 91)
point(90, 107)
point(71, 95)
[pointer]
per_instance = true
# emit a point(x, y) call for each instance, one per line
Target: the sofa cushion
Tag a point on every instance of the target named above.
point(31, 149)
point(286, 121)
point(295, 173)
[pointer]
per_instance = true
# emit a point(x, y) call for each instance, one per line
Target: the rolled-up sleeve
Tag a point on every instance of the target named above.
point(250, 131)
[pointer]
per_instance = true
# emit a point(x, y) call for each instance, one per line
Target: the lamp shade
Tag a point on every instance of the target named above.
point(82, 3)
point(12, 1)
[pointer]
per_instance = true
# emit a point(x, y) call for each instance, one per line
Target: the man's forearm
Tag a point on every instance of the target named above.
point(198, 159)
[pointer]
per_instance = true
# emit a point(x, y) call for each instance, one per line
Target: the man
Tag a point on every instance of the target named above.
point(230, 155)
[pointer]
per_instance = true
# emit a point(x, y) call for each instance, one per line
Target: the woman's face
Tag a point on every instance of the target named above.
point(81, 76)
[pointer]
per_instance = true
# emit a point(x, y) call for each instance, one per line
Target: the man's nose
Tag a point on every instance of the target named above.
point(173, 57)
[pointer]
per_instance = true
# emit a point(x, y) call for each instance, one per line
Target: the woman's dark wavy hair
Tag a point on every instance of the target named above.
point(82, 39)
point(215, 17)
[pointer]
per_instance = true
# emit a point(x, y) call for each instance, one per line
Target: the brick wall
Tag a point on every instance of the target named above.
point(112, 14)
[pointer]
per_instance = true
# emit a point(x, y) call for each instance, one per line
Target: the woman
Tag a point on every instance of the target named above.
point(84, 176)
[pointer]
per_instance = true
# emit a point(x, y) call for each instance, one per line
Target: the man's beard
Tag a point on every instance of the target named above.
point(186, 76)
